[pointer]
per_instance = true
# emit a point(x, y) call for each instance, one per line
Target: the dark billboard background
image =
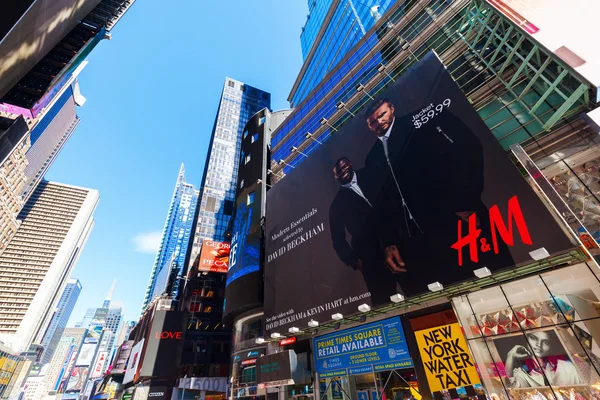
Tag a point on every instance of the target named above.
point(449, 171)
point(274, 367)
point(164, 345)
point(244, 277)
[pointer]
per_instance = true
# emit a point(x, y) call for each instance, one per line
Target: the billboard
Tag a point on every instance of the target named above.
point(99, 366)
point(133, 362)
point(276, 369)
point(164, 344)
point(86, 354)
point(372, 347)
point(446, 357)
point(214, 256)
point(568, 29)
point(77, 379)
point(412, 191)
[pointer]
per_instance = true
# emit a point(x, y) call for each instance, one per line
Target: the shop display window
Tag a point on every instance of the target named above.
point(536, 338)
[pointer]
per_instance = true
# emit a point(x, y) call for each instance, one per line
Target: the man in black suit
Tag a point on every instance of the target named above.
point(352, 211)
point(427, 178)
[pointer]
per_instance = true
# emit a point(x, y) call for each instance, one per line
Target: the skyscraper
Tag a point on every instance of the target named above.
point(238, 103)
point(62, 313)
point(35, 267)
point(332, 28)
point(170, 258)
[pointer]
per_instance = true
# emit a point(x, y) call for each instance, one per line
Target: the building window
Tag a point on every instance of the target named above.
point(250, 199)
point(262, 120)
point(254, 137)
point(247, 159)
point(241, 183)
point(245, 134)
point(231, 84)
point(210, 203)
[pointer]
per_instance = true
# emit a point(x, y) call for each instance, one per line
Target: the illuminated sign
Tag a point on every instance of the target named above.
point(288, 341)
point(250, 361)
point(168, 335)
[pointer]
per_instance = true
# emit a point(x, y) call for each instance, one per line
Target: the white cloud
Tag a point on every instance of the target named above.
point(148, 242)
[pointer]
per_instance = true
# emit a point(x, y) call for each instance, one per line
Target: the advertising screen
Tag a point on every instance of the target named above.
point(377, 346)
point(413, 190)
point(77, 379)
point(133, 362)
point(568, 29)
point(246, 239)
point(214, 256)
point(86, 354)
point(276, 369)
point(446, 357)
point(164, 344)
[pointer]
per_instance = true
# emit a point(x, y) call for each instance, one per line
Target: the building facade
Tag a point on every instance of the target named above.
point(61, 316)
point(170, 259)
point(237, 104)
point(523, 332)
point(55, 225)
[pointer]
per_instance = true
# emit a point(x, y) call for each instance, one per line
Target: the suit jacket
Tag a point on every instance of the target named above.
point(439, 168)
point(350, 212)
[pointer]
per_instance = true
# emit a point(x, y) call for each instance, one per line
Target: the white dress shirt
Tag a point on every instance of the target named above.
point(354, 186)
point(385, 138)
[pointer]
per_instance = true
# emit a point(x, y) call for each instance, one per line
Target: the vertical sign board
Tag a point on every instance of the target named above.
point(446, 357)
point(376, 346)
point(164, 344)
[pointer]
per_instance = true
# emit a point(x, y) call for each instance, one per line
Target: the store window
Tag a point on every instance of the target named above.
point(537, 337)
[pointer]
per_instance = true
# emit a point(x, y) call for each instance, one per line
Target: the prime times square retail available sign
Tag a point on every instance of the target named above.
point(378, 346)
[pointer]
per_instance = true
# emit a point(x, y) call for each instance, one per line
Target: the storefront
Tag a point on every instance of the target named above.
point(537, 338)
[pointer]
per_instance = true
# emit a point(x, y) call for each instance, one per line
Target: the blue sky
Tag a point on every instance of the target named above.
point(152, 94)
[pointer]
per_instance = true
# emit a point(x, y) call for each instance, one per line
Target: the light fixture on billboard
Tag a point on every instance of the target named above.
point(275, 335)
point(312, 137)
point(293, 329)
point(360, 88)
point(364, 308)
point(435, 286)
point(539, 254)
point(259, 181)
point(325, 121)
point(337, 317)
point(295, 150)
point(342, 106)
point(281, 162)
point(482, 272)
point(260, 340)
point(396, 298)
point(383, 70)
point(270, 171)
point(313, 324)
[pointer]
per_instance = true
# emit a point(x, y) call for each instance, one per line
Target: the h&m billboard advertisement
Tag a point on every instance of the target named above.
point(372, 347)
point(414, 190)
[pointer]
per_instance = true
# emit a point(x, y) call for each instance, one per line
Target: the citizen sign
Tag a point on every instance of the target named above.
point(168, 335)
point(156, 394)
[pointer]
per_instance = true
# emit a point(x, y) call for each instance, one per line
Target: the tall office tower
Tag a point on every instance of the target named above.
point(124, 332)
point(332, 28)
point(62, 313)
point(238, 103)
point(35, 266)
point(66, 364)
point(14, 143)
point(170, 258)
point(87, 318)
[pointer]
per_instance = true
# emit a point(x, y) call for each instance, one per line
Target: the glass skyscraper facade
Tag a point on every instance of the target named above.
point(238, 103)
point(332, 28)
point(175, 240)
point(63, 311)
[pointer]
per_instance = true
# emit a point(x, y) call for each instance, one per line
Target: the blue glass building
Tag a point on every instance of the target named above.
point(237, 104)
point(332, 28)
point(175, 240)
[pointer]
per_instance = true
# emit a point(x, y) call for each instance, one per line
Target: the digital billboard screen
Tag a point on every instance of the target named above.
point(214, 256)
point(413, 190)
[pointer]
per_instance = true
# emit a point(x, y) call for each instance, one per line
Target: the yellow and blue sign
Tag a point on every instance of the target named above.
point(377, 346)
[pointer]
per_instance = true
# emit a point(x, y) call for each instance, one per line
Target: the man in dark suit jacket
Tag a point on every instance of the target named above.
point(427, 179)
point(351, 211)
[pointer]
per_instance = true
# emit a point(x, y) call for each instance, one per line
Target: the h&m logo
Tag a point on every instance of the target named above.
point(168, 335)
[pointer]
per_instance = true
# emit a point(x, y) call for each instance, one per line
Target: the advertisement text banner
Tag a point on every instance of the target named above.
point(446, 358)
point(214, 256)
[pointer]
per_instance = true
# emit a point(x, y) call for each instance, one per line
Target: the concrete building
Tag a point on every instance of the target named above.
point(35, 267)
